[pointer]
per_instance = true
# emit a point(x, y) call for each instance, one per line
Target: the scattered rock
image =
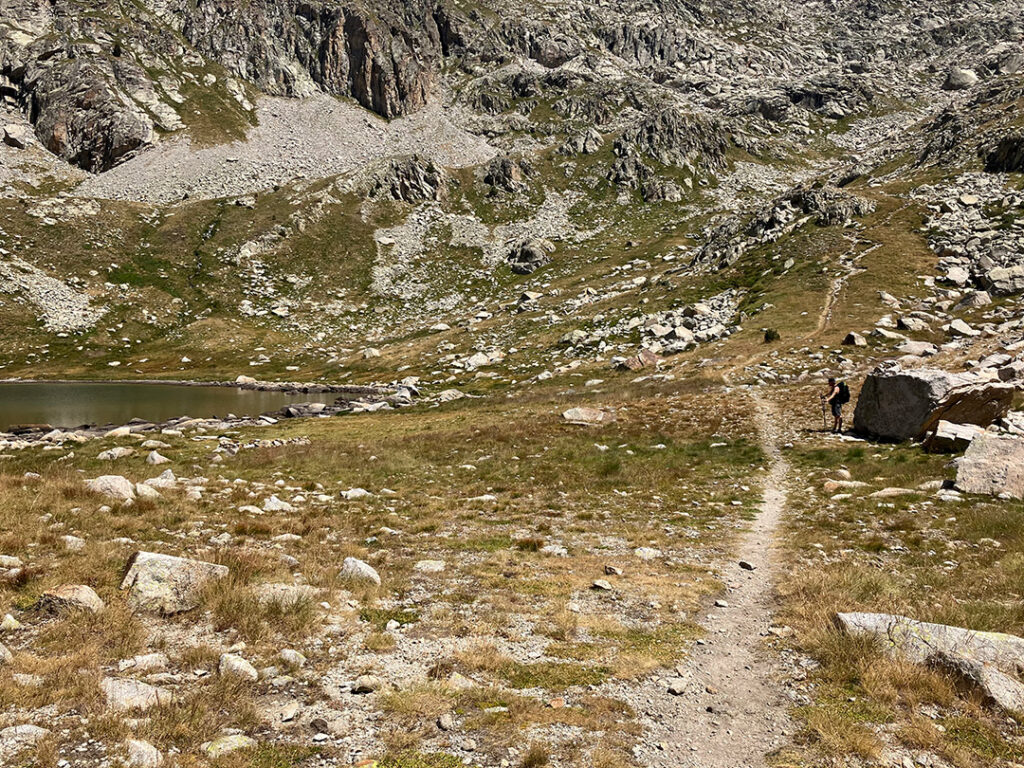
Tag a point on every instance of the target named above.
point(356, 570)
point(70, 597)
point(993, 464)
point(113, 486)
point(166, 584)
point(588, 416)
point(233, 665)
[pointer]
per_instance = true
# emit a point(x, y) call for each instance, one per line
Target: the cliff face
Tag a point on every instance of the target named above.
point(98, 86)
point(102, 79)
point(384, 59)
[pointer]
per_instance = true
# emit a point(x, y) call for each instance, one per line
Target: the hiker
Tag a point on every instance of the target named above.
point(838, 396)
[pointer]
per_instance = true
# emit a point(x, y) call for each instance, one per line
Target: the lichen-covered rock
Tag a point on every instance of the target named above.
point(227, 744)
point(70, 597)
point(993, 464)
point(112, 486)
point(166, 584)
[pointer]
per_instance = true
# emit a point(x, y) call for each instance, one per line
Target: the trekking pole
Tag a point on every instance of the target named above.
point(824, 412)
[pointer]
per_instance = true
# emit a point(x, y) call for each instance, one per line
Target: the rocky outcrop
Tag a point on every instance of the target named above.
point(530, 255)
point(411, 180)
point(993, 464)
point(383, 58)
point(733, 237)
point(676, 139)
point(1008, 155)
point(897, 404)
point(78, 95)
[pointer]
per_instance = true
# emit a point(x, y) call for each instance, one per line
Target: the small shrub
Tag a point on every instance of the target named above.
point(771, 335)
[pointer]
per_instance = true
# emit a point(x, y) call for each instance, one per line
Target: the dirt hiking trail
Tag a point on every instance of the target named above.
point(732, 711)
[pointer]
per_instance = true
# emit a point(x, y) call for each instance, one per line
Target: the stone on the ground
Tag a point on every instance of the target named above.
point(142, 754)
point(366, 684)
point(356, 570)
point(993, 464)
point(112, 454)
point(113, 487)
point(854, 339)
point(951, 438)
point(677, 686)
point(6, 657)
point(918, 640)
point(274, 504)
point(167, 584)
point(958, 79)
point(292, 658)
point(16, 738)
point(155, 458)
point(996, 688)
point(233, 665)
point(70, 597)
point(354, 494)
point(898, 404)
point(17, 136)
point(227, 744)
point(125, 695)
point(588, 416)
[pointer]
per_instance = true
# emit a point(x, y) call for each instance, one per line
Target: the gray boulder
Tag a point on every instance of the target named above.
point(530, 256)
point(918, 641)
point(113, 487)
point(69, 598)
point(997, 688)
point(166, 584)
point(959, 79)
point(952, 438)
point(993, 464)
point(355, 569)
point(897, 404)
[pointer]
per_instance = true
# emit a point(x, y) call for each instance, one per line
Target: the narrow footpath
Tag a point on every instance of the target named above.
point(732, 711)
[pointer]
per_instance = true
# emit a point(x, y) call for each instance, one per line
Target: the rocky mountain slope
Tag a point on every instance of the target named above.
point(668, 220)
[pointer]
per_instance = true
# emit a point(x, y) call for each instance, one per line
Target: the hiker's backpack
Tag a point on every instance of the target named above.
point(844, 393)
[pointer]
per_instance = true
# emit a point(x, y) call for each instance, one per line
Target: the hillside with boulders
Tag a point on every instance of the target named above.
point(546, 299)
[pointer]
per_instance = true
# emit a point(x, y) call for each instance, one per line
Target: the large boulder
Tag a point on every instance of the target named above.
point(917, 641)
point(986, 662)
point(993, 464)
point(530, 256)
point(113, 487)
point(898, 404)
point(951, 438)
point(166, 584)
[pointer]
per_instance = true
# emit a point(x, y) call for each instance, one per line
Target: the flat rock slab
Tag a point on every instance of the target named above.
point(126, 695)
point(588, 416)
point(167, 584)
point(918, 641)
point(993, 464)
